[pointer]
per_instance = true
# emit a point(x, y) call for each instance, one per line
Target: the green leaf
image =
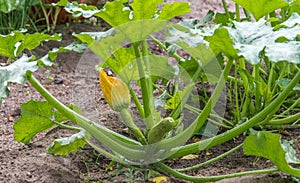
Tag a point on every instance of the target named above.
point(61, 3)
point(284, 52)
point(291, 155)
point(121, 34)
point(220, 41)
point(15, 73)
point(31, 41)
point(179, 97)
point(208, 17)
point(159, 66)
point(13, 44)
point(114, 9)
point(169, 11)
point(98, 36)
point(65, 146)
point(179, 34)
point(253, 39)
point(8, 43)
point(178, 100)
point(188, 32)
point(174, 101)
point(35, 118)
point(293, 20)
point(123, 63)
point(268, 145)
point(78, 10)
point(260, 8)
point(143, 10)
point(140, 10)
point(223, 19)
point(76, 47)
point(188, 68)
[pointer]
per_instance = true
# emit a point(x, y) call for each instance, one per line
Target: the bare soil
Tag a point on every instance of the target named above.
point(31, 163)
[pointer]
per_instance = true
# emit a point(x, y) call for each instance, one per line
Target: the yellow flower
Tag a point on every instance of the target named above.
point(115, 91)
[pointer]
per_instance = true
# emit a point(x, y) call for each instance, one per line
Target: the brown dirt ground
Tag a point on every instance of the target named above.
point(30, 163)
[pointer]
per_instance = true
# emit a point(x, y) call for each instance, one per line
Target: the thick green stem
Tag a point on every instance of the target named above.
point(137, 103)
point(237, 12)
point(202, 117)
point(286, 120)
point(146, 85)
point(228, 135)
point(126, 116)
point(67, 126)
point(225, 8)
point(198, 111)
point(236, 94)
point(160, 167)
point(257, 87)
point(122, 145)
point(280, 127)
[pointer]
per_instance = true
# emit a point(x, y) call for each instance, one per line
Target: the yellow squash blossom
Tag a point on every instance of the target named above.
point(115, 91)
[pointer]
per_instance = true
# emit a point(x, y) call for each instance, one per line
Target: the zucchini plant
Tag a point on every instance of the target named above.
point(213, 52)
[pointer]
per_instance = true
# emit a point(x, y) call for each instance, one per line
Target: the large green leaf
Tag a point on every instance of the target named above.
point(140, 10)
point(78, 10)
point(65, 146)
point(268, 145)
point(114, 9)
point(160, 67)
point(260, 8)
point(291, 154)
point(103, 44)
point(169, 11)
point(143, 10)
point(187, 32)
point(284, 52)
point(31, 41)
point(13, 44)
point(220, 41)
point(16, 72)
point(251, 39)
point(123, 63)
point(35, 118)
point(8, 43)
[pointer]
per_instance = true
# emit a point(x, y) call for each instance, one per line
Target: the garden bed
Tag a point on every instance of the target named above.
point(31, 163)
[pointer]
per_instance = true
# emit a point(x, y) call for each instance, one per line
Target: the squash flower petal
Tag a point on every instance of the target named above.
point(115, 91)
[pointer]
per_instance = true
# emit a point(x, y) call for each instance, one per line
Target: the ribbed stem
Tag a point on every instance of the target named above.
point(228, 135)
point(160, 167)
